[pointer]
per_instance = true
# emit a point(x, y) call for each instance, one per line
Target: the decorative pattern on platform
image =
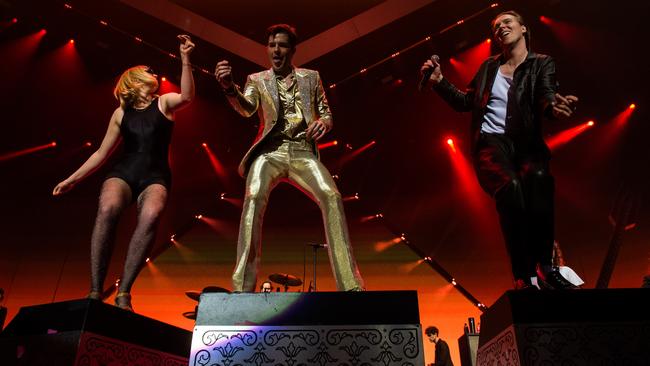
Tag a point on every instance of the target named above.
point(501, 350)
point(98, 350)
point(309, 345)
point(585, 344)
point(568, 344)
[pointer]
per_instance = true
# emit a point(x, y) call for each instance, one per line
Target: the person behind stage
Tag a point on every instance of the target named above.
point(443, 358)
point(142, 175)
point(266, 286)
point(509, 97)
point(294, 115)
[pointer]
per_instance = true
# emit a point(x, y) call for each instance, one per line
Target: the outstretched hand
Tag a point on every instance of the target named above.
point(223, 73)
point(187, 45)
point(62, 188)
point(564, 107)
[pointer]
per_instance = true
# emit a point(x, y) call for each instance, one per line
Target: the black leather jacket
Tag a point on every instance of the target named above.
point(534, 80)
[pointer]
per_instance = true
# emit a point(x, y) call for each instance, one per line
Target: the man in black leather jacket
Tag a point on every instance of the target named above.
point(509, 97)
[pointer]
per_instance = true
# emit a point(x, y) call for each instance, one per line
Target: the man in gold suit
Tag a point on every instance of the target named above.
point(294, 115)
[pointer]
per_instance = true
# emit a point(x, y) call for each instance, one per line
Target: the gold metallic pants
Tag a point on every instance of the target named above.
point(293, 162)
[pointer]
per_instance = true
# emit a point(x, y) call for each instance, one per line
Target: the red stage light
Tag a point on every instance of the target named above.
point(544, 20)
point(103, 22)
point(450, 142)
point(563, 137)
point(632, 106)
point(488, 40)
point(15, 154)
point(204, 144)
point(67, 6)
point(14, 20)
point(71, 41)
point(88, 144)
point(43, 31)
point(147, 260)
point(163, 78)
point(325, 145)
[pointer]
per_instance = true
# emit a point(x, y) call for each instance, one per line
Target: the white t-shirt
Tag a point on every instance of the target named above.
point(494, 120)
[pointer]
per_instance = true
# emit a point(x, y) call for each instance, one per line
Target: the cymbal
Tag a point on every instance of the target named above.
point(285, 279)
point(195, 295)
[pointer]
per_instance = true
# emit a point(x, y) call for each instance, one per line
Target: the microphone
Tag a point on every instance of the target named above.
point(427, 73)
point(316, 245)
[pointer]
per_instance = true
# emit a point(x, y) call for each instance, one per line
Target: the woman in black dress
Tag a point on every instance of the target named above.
point(144, 121)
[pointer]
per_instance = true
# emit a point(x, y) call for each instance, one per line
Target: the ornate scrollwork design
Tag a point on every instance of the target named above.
point(291, 352)
point(386, 356)
point(372, 336)
point(138, 355)
point(105, 349)
point(247, 337)
point(259, 357)
point(202, 358)
point(322, 357)
point(210, 337)
point(411, 347)
point(354, 351)
point(310, 337)
point(273, 337)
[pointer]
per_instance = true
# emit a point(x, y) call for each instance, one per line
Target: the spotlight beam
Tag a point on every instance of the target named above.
point(30, 150)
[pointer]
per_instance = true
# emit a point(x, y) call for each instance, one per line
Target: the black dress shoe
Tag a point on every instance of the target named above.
point(553, 280)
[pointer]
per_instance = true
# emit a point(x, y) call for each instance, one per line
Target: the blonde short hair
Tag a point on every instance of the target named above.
point(131, 80)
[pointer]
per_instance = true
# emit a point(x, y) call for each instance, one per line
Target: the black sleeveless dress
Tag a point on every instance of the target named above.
point(145, 160)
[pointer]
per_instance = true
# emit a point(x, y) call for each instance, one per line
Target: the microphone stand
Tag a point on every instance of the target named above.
point(315, 248)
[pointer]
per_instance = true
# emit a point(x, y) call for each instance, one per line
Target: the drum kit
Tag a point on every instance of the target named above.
point(282, 279)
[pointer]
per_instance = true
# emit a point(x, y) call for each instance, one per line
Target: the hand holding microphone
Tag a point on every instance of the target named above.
point(431, 68)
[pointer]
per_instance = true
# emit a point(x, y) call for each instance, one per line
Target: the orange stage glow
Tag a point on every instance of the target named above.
point(380, 246)
point(218, 226)
point(632, 106)
point(371, 217)
point(355, 197)
point(30, 150)
point(325, 145)
point(217, 166)
point(565, 136)
point(71, 41)
point(409, 267)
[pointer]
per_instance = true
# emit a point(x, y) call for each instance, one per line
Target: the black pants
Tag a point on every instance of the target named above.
point(521, 184)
